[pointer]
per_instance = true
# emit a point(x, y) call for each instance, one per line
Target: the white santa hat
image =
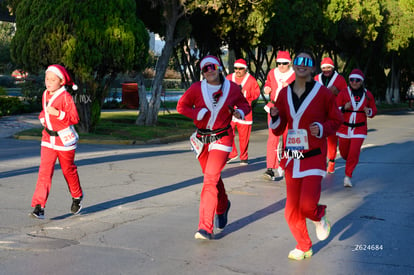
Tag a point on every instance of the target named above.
point(61, 72)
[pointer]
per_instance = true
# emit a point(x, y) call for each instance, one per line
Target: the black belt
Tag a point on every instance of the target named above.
point(51, 133)
point(353, 125)
point(300, 155)
point(352, 111)
point(208, 136)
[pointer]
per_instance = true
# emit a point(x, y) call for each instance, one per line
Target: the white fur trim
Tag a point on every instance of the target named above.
point(320, 129)
point(327, 65)
point(61, 115)
point(56, 71)
point(356, 76)
point(220, 147)
point(209, 60)
point(240, 65)
point(282, 60)
point(201, 114)
point(74, 87)
point(274, 125)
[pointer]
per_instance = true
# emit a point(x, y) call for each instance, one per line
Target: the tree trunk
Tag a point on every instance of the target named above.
point(143, 102)
point(162, 63)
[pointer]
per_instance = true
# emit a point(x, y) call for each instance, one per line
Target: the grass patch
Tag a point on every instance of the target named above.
point(120, 125)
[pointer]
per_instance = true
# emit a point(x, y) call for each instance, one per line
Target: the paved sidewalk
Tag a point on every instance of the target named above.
point(10, 125)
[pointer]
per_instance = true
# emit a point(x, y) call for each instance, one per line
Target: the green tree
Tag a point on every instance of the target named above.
point(95, 40)
point(399, 44)
point(167, 18)
point(6, 33)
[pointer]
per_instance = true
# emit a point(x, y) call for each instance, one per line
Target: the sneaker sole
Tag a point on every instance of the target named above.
point(77, 212)
point(305, 255)
point(231, 159)
point(199, 236)
point(327, 235)
point(268, 177)
point(40, 217)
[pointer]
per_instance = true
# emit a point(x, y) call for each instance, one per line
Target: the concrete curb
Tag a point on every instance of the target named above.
point(165, 140)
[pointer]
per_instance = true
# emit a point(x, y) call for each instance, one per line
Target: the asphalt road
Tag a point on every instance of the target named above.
point(141, 212)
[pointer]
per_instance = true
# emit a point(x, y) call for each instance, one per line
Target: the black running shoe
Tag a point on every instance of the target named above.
point(269, 174)
point(221, 220)
point(38, 212)
point(76, 206)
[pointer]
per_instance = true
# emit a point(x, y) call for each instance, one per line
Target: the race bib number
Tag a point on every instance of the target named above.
point(68, 136)
point(196, 144)
point(297, 140)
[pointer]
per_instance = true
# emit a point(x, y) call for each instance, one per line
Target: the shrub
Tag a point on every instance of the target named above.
point(10, 105)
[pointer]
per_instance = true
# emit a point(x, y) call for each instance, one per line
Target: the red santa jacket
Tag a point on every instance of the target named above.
point(355, 120)
point(318, 107)
point(68, 116)
point(250, 90)
point(274, 80)
point(197, 104)
point(337, 80)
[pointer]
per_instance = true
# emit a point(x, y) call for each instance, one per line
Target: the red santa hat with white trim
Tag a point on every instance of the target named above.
point(240, 63)
point(61, 72)
point(210, 59)
point(327, 62)
point(357, 73)
point(283, 56)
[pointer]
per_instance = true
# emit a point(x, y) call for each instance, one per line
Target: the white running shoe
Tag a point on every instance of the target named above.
point(347, 182)
point(323, 228)
point(280, 171)
point(297, 254)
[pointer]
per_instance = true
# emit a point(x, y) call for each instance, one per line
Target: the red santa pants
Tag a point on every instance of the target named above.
point(350, 149)
point(213, 199)
point(302, 197)
point(47, 165)
point(272, 144)
point(244, 137)
point(332, 146)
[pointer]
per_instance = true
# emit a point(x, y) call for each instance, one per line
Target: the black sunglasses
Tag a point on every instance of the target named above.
point(357, 80)
point(282, 63)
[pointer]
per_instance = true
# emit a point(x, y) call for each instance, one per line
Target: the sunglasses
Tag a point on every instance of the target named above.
point(282, 63)
point(304, 61)
point(210, 67)
point(357, 80)
point(238, 68)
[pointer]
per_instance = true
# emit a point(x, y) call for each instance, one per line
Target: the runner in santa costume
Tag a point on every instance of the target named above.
point(277, 78)
point(356, 104)
point(211, 104)
point(251, 92)
point(59, 139)
point(309, 111)
point(334, 82)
